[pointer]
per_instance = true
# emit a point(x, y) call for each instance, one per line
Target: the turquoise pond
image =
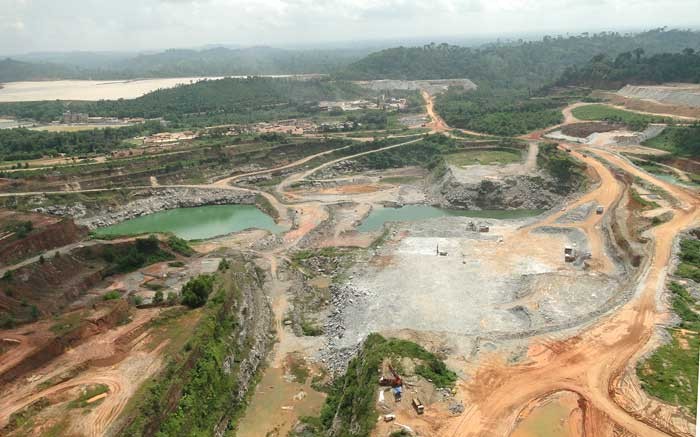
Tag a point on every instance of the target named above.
point(196, 223)
point(379, 216)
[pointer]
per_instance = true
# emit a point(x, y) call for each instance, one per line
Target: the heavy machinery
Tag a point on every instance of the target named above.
point(393, 381)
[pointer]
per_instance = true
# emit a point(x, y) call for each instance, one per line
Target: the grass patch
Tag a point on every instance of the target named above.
point(310, 328)
point(484, 157)
point(671, 372)
point(88, 393)
point(299, 369)
point(25, 416)
point(67, 323)
point(633, 120)
point(645, 203)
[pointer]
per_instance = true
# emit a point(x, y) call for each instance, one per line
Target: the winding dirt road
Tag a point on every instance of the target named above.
point(593, 363)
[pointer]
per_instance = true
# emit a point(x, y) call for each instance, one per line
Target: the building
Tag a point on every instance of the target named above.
point(75, 117)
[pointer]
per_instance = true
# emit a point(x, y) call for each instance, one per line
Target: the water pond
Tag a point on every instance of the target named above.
point(196, 223)
point(408, 213)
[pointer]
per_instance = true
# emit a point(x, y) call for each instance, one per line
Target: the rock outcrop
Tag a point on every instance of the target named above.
point(148, 202)
point(509, 192)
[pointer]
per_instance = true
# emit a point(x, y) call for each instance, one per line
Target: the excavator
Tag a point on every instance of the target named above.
point(394, 381)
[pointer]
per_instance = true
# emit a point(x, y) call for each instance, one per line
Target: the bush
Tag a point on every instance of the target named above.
point(197, 290)
point(158, 297)
point(111, 295)
point(180, 246)
point(172, 298)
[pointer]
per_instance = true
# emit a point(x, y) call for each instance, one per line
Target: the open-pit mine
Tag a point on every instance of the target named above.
point(430, 282)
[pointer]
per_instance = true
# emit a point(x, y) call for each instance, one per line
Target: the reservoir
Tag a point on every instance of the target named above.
point(379, 216)
point(196, 223)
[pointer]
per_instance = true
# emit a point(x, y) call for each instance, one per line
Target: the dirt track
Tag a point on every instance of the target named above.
point(592, 363)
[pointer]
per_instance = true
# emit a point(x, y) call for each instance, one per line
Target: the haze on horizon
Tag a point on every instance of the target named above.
point(136, 25)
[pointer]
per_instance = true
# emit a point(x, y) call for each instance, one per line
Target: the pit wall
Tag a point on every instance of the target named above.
point(510, 192)
point(144, 202)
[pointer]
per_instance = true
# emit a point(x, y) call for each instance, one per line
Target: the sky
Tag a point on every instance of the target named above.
point(136, 25)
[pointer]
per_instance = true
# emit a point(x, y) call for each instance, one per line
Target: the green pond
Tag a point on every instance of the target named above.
point(196, 223)
point(379, 216)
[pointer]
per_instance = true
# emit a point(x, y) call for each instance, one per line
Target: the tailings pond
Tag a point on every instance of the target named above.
point(408, 213)
point(196, 223)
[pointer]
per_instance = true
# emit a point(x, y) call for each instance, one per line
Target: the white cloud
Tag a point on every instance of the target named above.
point(29, 25)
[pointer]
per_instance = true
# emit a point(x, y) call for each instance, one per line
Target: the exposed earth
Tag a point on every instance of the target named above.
point(537, 342)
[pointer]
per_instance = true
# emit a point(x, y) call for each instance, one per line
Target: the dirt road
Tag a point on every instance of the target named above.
point(592, 363)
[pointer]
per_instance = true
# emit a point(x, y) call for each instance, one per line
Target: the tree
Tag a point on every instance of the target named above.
point(158, 298)
point(197, 290)
point(638, 52)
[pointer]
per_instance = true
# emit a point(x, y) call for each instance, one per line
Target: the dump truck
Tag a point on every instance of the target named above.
point(569, 254)
point(418, 405)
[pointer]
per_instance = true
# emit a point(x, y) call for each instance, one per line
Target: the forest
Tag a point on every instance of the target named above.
point(497, 111)
point(518, 64)
point(25, 144)
point(631, 67)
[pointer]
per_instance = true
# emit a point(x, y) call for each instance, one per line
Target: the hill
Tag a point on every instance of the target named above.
point(634, 68)
point(217, 61)
point(529, 64)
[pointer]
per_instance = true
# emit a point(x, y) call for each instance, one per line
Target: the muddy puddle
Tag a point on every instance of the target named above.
point(557, 416)
point(277, 404)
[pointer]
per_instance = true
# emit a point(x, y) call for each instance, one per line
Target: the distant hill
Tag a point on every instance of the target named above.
point(528, 64)
point(12, 71)
point(635, 68)
point(176, 63)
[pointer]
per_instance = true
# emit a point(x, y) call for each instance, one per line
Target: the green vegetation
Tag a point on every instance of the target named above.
point(310, 328)
point(679, 140)
point(180, 246)
point(645, 203)
point(633, 120)
point(558, 163)
point(197, 290)
point(21, 143)
point(25, 416)
point(501, 111)
point(196, 390)
point(690, 260)
point(671, 373)
point(350, 406)
point(124, 258)
point(206, 103)
point(87, 394)
point(520, 64)
point(112, 295)
point(67, 323)
point(632, 67)
point(20, 228)
point(484, 157)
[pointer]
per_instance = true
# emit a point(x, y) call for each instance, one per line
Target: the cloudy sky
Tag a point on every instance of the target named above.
point(53, 25)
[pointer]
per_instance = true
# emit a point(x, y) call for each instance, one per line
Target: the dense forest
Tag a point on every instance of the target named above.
point(217, 61)
point(238, 100)
point(25, 144)
point(633, 67)
point(497, 111)
point(520, 64)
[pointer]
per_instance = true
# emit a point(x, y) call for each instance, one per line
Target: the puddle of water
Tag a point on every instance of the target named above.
point(277, 404)
point(556, 418)
point(379, 216)
point(196, 223)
